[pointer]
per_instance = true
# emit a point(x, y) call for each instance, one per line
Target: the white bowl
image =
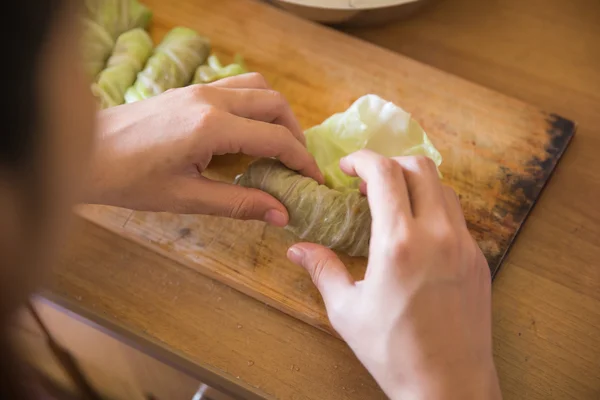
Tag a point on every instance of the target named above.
point(351, 12)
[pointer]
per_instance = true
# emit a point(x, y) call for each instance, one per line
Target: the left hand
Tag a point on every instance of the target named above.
point(151, 154)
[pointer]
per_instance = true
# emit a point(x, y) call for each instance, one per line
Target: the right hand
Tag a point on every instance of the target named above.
point(420, 321)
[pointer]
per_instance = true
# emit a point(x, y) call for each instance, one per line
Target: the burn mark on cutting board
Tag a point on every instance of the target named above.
point(522, 190)
point(183, 233)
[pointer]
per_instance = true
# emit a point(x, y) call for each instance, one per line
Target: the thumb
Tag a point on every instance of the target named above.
point(327, 271)
point(205, 196)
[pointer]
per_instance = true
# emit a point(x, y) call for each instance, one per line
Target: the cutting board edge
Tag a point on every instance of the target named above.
point(568, 137)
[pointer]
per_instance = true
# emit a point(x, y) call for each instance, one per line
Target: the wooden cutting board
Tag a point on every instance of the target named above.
point(498, 152)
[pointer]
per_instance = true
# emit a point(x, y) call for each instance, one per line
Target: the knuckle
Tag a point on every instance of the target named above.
point(258, 79)
point(423, 163)
point(206, 117)
point(446, 238)
point(198, 91)
point(387, 167)
point(400, 252)
point(240, 207)
point(278, 98)
point(396, 246)
point(277, 95)
point(282, 132)
point(277, 103)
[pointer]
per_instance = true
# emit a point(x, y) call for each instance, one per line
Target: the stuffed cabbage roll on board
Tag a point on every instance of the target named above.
point(171, 65)
point(118, 16)
point(213, 70)
point(338, 220)
point(97, 44)
point(132, 50)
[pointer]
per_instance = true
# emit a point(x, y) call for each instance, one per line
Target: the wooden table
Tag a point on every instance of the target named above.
point(546, 297)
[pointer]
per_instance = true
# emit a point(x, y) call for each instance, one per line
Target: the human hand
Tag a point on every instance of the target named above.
point(151, 154)
point(420, 321)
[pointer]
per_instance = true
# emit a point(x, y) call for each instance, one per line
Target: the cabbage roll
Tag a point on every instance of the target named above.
point(132, 50)
point(171, 65)
point(318, 214)
point(214, 70)
point(97, 44)
point(118, 16)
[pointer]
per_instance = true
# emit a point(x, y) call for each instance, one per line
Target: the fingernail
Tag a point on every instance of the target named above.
point(296, 255)
point(276, 217)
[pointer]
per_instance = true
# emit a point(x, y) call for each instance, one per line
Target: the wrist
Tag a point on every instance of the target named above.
point(94, 188)
point(103, 171)
point(103, 185)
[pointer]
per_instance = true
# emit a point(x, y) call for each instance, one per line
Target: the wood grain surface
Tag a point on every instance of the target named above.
point(546, 299)
point(498, 152)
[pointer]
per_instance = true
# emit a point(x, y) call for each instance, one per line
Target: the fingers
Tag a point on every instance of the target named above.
point(204, 196)
point(385, 184)
point(327, 271)
point(426, 193)
point(409, 185)
point(250, 96)
point(251, 80)
point(262, 105)
point(261, 139)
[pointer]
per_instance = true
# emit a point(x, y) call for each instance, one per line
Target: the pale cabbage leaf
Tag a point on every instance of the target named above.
point(213, 70)
point(369, 123)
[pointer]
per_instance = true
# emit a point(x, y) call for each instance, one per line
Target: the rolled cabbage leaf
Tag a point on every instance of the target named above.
point(96, 46)
point(369, 123)
point(171, 65)
point(213, 70)
point(318, 214)
point(132, 50)
point(118, 16)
